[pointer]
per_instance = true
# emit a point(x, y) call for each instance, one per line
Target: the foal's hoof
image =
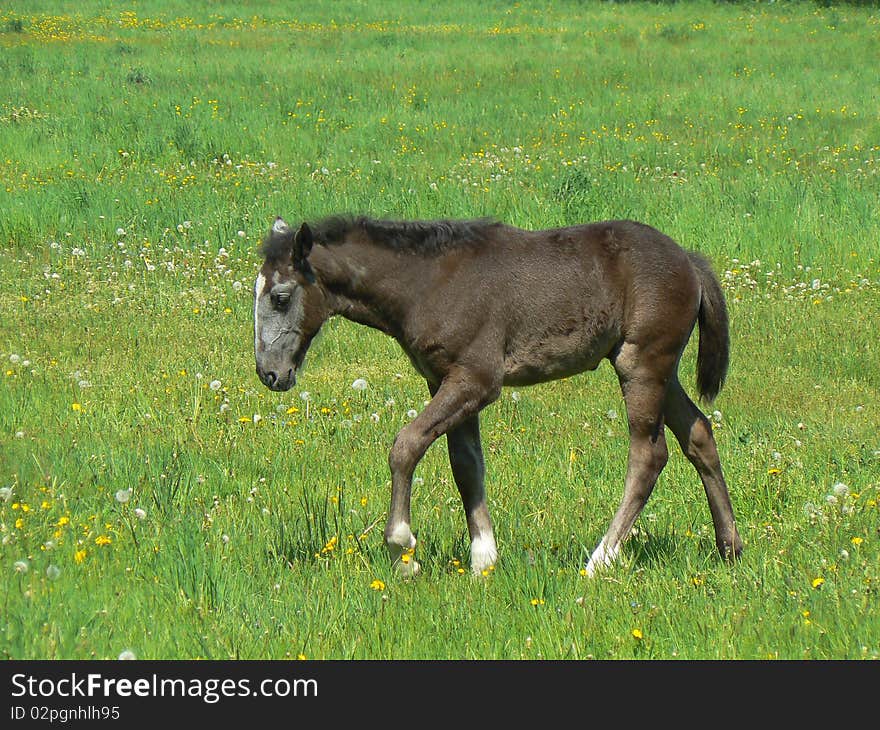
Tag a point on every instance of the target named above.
point(730, 550)
point(407, 567)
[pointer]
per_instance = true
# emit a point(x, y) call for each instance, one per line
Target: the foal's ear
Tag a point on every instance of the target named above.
point(302, 247)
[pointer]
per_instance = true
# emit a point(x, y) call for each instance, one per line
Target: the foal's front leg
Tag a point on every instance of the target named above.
point(468, 469)
point(458, 397)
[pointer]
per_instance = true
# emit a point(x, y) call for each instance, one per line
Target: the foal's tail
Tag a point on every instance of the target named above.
point(713, 353)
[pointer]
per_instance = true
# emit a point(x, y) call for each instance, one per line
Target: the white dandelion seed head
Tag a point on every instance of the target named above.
point(19, 434)
point(215, 385)
point(53, 572)
point(224, 538)
point(14, 359)
point(306, 396)
point(127, 655)
point(241, 234)
point(83, 384)
point(840, 489)
point(359, 384)
point(412, 413)
point(224, 407)
point(374, 417)
point(257, 418)
point(831, 499)
point(120, 231)
point(5, 493)
point(237, 285)
point(20, 566)
point(123, 495)
point(389, 403)
point(140, 513)
point(514, 396)
point(418, 481)
point(611, 414)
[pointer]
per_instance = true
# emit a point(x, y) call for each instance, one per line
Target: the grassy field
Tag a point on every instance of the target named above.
point(156, 499)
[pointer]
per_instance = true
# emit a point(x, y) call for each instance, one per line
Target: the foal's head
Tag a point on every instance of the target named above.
point(289, 307)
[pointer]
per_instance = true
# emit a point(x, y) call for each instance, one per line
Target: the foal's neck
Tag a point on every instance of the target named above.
point(364, 283)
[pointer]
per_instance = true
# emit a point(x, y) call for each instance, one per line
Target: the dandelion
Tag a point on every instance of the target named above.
point(840, 489)
point(140, 513)
point(611, 414)
point(305, 395)
point(377, 585)
point(215, 385)
point(63, 520)
point(857, 541)
point(817, 582)
point(53, 572)
point(79, 556)
point(537, 601)
point(224, 407)
point(120, 231)
point(412, 413)
point(359, 384)
point(5, 493)
point(76, 407)
point(102, 540)
point(257, 418)
point(374, 417)
point(224, 539)
point(20, 566)
point(14, 359)
point(123, 495)
point(127, 655)
point(241, 234)
point(514, 396)
point(637, 634)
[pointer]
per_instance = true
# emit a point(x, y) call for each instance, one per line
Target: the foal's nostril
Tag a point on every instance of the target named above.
point(270, 378)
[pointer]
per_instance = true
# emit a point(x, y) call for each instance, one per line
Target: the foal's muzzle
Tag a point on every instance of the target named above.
point(277, 381)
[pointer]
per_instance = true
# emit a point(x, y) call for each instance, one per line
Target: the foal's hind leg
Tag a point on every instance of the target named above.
point(644, 391)
point(694, 433)
point(468, 469)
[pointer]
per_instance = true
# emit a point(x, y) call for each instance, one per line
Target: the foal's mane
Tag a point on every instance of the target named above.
point(425, 237)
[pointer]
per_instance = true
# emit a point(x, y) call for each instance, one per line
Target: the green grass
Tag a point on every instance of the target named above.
point(747, 131)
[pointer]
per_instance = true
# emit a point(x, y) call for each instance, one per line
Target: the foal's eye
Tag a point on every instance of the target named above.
point(281, 300)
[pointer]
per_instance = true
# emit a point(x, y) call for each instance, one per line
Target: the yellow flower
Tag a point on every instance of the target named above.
point(363, 501)
point(774, 471)
point(857, 541)
point(19, 523)
point(817, 582)
point(76, 407)
point(377, 585)
point(63, 520)
point(292, 409)
point(537, 601)
point(301, 657)
point(25, 507)
point(102, 540)
point(79, 556)
point(637, 634)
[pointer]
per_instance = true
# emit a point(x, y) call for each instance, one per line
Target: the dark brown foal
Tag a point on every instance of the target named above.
point(477, 305)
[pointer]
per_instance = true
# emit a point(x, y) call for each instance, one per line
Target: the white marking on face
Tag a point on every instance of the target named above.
point(484, 553)
point(279, 226)
point(259, 289)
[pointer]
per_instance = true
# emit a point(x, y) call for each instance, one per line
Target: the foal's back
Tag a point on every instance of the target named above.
point(568, 297)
